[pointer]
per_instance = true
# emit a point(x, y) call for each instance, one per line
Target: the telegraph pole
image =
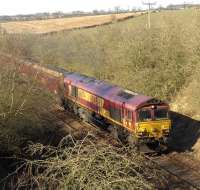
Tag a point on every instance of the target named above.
point(149, 4)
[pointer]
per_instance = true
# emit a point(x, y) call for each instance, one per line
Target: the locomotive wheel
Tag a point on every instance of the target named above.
point(160, 148)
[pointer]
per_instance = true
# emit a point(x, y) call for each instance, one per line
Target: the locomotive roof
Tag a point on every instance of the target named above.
point(107, 91)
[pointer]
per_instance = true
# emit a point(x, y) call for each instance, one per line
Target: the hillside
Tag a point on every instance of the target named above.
point(54, 25)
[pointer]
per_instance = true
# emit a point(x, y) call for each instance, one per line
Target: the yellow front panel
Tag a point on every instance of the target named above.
point(155, 129)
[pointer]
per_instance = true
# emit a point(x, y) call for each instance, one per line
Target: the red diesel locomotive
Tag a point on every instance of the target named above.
point(139, 118)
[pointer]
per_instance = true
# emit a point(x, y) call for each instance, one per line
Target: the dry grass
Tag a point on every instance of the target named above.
point(53, 25)
point(158, 62)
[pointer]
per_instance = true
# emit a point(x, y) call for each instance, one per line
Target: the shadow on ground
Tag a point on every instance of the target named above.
point(185, 132)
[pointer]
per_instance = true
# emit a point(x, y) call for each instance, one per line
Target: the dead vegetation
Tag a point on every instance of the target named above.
point(86, 164)
point(20, 112)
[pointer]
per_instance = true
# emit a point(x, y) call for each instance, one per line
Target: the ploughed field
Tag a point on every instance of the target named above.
point(54, 25)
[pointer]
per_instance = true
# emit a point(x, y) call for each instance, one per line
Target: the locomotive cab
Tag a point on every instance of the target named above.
point(153, 123)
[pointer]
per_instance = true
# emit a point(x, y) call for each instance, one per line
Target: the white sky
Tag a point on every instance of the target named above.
point(12, 7)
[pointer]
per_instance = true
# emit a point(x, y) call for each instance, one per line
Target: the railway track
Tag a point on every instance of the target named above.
point(183, 171)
